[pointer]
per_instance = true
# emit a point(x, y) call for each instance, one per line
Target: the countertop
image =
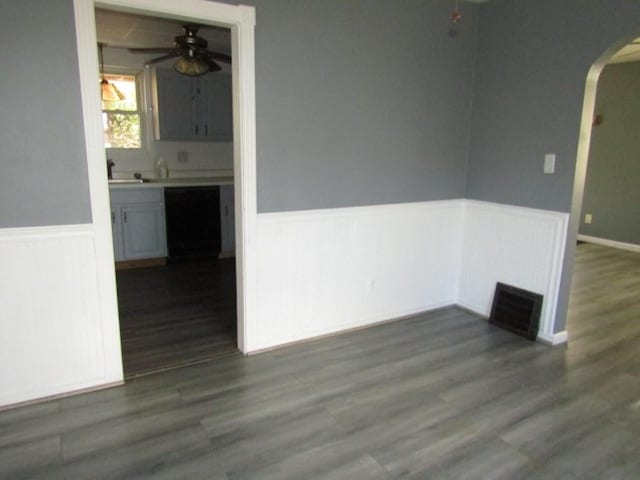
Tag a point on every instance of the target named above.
point(176, 182)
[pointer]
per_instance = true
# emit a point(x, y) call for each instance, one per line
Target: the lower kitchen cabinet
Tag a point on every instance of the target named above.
point(143, 231)
point(158, 222)
point(137, 221)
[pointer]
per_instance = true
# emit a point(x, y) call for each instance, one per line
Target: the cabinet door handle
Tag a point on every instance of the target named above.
point(196, 129)
point(226, 210)
point(206, 130)
point(113, 217)
point(125, 217)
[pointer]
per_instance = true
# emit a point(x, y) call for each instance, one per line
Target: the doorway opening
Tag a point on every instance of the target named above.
point(240, 22)
point(173, 235)
point(604, 279)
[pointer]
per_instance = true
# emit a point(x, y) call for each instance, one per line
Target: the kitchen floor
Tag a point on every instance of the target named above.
point(177, 315)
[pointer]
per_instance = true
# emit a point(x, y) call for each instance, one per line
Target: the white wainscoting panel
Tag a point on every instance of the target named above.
point(519, 246)
point(323, 271)
point(316, 272)
point(51, 337)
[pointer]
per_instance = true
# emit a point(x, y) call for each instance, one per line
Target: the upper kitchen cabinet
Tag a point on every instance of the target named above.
point(192, 108)
point(175, 112)
point(216, 106)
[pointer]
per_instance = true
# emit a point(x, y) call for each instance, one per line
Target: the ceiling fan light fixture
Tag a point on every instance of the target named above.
point(192, 66)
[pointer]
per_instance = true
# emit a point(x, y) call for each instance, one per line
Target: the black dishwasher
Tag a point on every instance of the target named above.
point(193, 220)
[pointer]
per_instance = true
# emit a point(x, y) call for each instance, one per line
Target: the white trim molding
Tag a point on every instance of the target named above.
point(554, 339)
point(631, 247)
point(241, 20)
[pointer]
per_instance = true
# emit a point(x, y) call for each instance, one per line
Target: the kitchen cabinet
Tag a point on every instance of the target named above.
point(216, 107)
point(137, 221)
point(116, 231)
point(174, 114)
point(227, 221)
point(192, 108)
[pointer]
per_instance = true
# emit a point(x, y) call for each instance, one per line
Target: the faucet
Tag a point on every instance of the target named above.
point(110, 165)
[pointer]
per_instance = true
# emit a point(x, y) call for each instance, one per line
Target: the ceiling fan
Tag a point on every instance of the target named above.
point(193, 58)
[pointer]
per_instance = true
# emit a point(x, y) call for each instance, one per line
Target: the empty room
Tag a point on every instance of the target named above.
point(391, 162)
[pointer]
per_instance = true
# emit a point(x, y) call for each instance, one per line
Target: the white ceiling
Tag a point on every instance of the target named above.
point(117, 29)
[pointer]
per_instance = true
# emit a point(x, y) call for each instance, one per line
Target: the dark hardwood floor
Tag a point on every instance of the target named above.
point(442, 395)
point(178, 315)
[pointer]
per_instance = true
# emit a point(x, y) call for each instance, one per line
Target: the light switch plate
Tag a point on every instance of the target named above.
point(549, 163)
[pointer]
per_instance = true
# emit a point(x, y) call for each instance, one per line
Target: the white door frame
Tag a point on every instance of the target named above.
point(241, 20)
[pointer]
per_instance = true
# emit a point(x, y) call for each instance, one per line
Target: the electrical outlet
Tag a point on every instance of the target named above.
point(587, 218)
point(183, 157)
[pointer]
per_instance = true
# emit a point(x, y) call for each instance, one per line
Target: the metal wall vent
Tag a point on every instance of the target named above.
point(516, 310)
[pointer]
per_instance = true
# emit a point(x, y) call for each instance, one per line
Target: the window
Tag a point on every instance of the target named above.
point(121, 119)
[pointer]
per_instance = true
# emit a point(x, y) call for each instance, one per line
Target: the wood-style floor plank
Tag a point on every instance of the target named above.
point(176, 315)
point(443, 395)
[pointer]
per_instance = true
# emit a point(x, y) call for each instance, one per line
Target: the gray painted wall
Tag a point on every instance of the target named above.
point(612, 188)
point(360, 102)
point(533, 59)
point(43, 178)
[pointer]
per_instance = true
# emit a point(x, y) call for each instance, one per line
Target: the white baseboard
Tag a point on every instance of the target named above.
point(632, 247)
point(553, 339)
point(473, 308)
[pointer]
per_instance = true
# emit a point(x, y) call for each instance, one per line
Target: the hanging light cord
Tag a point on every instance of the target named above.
point(100, 45)
point(455, 18)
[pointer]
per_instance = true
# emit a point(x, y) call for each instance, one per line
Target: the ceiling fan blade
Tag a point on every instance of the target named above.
point(151, 50)
point(213, 66)
point(220, 57)
point(161, 59)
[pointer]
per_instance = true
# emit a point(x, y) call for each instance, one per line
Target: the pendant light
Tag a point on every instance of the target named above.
point(109, 92)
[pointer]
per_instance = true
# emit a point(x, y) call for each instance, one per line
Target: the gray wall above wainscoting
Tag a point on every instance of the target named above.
point(43, 179)
point(612, 188)
point(360, 102)
point(533, 60)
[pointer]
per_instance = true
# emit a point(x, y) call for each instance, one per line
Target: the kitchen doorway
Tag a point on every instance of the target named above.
point(173, 233)
point(240, 20)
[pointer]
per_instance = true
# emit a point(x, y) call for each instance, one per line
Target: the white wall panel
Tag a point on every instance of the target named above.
point(51, 333)
point(322, 271)
point(514, 245)
point(318, 272)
